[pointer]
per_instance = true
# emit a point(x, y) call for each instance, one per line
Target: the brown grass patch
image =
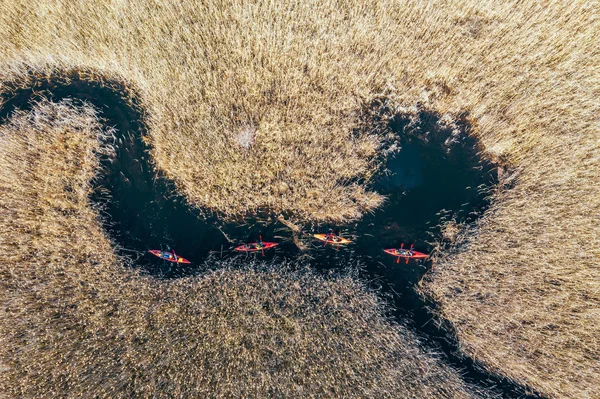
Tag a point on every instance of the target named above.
point(76, 322)
point(297, 75)
point(523, 291)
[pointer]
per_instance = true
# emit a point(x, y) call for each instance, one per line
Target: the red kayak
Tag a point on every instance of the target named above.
point(256, 246)
point(168, 256)
point(405, 253)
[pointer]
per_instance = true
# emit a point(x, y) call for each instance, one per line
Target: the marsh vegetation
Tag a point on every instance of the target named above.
point(228, 88)
point(76, 318)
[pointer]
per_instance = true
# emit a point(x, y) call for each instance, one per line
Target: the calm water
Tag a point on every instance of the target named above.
point(425, 183)
point(434, 177)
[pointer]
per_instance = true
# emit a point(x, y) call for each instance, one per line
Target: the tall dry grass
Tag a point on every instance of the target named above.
point(523, 290)
point(252, 105)
point(75, 321)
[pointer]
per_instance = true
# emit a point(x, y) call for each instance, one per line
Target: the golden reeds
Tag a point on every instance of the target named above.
point(75, 321)
point(252, 106)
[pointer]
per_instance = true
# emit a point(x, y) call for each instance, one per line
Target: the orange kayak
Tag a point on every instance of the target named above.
point(336, 240)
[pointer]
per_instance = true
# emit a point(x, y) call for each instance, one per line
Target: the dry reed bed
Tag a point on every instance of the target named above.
point(523, 291)
point(76, 322)
point(293, 78)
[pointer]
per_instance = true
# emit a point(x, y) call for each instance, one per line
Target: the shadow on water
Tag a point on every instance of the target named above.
point(436, 176)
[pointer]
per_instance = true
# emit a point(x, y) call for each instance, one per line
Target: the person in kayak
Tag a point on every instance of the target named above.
point(403, 252)
point(169, 255)
point(331, 236)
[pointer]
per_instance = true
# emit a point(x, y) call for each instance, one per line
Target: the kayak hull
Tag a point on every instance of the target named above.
point(171, 258)
point(266, 245)
point(323, 237)
point(405, 253)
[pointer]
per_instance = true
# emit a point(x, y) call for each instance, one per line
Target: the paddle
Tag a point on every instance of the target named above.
point(398, 257)
point(262, 247)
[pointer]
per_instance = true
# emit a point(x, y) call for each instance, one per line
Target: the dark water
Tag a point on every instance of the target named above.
point(435, 177)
